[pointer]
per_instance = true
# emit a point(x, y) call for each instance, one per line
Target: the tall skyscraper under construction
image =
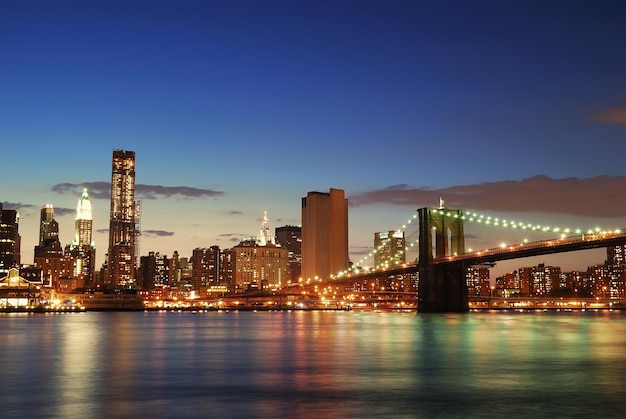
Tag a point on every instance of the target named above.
point(122, 226)
point(324, 234)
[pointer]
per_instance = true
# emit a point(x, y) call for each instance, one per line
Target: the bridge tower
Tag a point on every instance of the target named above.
point(442, 286)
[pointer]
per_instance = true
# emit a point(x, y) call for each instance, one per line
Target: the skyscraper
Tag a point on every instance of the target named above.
point(82, 249)
point(616, 268)
point(205, 271)
point(324, 234)
point(9, 240)
point(122, 226)
point(49, 244)
point(48, 227)
point(290, 237)
point(390, 249)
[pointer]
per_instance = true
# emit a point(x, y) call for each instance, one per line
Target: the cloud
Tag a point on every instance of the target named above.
point(96, 190)
point(156, 233)
point(29, 208)
point(18, 206)
point(360, 250)
point(232, 237)
point(102, 190)
point(600, 196)
point(615, 115)
point(60, 212)
point(158, 191)
point(233, 212)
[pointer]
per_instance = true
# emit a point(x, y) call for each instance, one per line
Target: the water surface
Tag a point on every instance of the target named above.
point(313, 364)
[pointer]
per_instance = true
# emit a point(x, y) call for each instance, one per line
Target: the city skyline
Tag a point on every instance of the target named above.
point(240, 108)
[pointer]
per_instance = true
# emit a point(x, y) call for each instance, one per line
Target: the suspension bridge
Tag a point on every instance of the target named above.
point(451, 240)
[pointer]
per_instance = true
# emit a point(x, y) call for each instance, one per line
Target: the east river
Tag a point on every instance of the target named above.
point(313, 364)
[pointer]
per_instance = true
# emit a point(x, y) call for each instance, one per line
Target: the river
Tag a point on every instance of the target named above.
point(313, 364)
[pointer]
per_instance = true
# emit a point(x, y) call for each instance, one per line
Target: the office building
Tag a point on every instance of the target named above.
point(153, 271)
point(48, 227)
point(478, 282)
point(324, 235)
point(290, 237)
point(49, 245)
point(122, 226)
point(83, 249)
point(390, 249)
point(258, 267)
point(49, 255)
point(9, 240)
point(206, 267)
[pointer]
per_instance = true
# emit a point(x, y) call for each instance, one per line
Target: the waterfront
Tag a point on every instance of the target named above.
point(313, 364)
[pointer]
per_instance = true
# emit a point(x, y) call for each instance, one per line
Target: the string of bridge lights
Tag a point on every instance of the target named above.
point(495, 221)
point(357, 267)
point(480, 219)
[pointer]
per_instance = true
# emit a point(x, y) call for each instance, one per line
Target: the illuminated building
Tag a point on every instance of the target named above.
point(324, 234)
point(478, 283)
point(258, 263)
point(153, 271)
point(179, 269)
point(122, 226)
point(259, 267)
point(206, 267)
point(9, 240)
point(49, 245)
point(390, 249)
point(539, 280)
point(48, 227)
point(616, 262)
point(49, 253)
point(264, 233)
point(16, 291)
point(83, 249)
point(290, 237)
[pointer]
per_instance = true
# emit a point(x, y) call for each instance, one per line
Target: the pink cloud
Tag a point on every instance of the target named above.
point(600, 196)
point(612, 116)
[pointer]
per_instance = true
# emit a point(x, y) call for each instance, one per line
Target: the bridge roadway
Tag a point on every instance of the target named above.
point(522, 250)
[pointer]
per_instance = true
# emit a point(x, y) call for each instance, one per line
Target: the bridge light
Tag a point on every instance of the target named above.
point(503, 245)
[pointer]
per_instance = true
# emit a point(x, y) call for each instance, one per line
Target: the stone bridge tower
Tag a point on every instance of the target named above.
point(442, 285)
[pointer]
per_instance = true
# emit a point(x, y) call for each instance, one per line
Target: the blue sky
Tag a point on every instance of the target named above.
point(240, 107)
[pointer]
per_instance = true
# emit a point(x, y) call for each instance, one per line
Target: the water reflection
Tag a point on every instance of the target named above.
point(312, 364)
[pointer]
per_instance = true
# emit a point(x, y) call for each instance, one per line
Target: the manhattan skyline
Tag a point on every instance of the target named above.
point(237, 108)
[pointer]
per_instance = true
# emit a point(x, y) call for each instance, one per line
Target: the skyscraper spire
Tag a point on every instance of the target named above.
point(83, 248)
point(265, 236)
point(83, 229)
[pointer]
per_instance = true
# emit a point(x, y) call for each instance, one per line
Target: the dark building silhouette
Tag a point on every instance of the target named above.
point(154, 271)
point(290, 237)
point(9, 240)
point(206, 268)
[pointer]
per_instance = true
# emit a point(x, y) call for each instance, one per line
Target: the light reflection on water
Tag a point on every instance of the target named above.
point(313, 364)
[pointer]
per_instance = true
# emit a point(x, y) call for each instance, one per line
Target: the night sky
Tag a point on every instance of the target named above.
point(508, 108)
